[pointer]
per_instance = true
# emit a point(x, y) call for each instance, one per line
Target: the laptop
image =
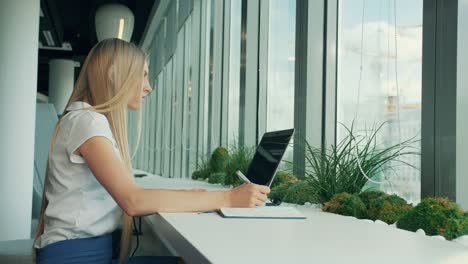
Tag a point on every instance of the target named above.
point(262, 171)
point(267, 157)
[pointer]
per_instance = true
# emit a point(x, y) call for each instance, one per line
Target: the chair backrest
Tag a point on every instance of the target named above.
point(46, 119)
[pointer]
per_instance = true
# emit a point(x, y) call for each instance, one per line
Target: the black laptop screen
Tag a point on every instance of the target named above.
point(268, 155)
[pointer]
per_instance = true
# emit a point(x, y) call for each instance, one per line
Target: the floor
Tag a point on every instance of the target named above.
point(150, 244)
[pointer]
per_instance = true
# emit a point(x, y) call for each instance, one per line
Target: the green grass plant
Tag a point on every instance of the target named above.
point(340, 168)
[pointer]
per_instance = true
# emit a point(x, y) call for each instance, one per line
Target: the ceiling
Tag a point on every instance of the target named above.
point(67, 30)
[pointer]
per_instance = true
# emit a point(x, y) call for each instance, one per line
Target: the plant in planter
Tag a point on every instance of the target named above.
point(280, 185)
point(278, 192)
point(387, 208)
point(340, 168)
point(217, 178)
point(239, 159)
point(369, 195)
point(283, 177)
point(203, 168)
point(217, 165)
point(299, 193)
point(219, 159)
point(465, 224)
point(436, 216)
point(221, 166)
point(346, 204)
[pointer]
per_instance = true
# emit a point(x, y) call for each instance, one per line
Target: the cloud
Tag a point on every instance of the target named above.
point(378, 76)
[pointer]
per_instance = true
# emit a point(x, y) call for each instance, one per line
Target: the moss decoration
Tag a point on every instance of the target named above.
point(239, 159)
point(346, 204)
point(388, 208)
point(203, 168)
point(300, 193)
point(283, 177)
point(198, 174)
point(219, 159)
point(384, 207)
point(278, 192)
point(436, 216)
point(368, 196)
point(217, 178)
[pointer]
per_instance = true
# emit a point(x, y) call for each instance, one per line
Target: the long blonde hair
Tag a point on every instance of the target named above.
point(110, 74)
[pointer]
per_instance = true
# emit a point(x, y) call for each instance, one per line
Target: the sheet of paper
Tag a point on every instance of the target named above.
point(262, 212)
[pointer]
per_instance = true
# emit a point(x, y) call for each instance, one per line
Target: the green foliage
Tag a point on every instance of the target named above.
point(283, 177)
point(239, 159)
point(465, 225)
point(377, 205)
point(278, 192)
point(300, 193)
point(388, 208)
point(436, 216)
point(203, 168)
point(338, 169)
point(219, 159)
point(226, 163)
point(384, 207)
point(217, 178)
point(198, 174)
point(346, 204)
point(369, 195)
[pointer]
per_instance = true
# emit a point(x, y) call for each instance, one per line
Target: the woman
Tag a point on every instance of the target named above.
point(89, 180)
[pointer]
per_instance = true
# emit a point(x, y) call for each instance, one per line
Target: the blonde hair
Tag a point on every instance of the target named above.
point(110, 73)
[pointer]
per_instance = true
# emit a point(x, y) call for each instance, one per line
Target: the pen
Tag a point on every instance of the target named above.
point(242, 177)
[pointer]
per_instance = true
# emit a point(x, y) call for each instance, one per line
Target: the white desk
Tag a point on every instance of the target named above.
point(153, 181)
point(322, 238)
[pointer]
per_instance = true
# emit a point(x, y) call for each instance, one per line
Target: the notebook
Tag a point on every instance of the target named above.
point(280, 212)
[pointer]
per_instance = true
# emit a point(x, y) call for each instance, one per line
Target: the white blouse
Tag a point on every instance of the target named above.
point(79, 206)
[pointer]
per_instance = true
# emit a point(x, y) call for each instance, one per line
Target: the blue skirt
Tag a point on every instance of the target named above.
point(93, 250)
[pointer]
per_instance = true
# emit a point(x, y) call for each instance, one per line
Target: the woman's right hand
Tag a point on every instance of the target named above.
point(248, 195)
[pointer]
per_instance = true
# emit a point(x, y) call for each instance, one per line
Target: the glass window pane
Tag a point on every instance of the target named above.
point(167, 102)
point(281, 60)
point(379, 80)
point(234, 72)
point(462, 105)
point(174, 102)
point(159, 132)
point(209, 71)
point(170, 43)
point(188, 97)
point(178, 104)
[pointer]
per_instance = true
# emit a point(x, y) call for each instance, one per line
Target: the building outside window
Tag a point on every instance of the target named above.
point(379, 81)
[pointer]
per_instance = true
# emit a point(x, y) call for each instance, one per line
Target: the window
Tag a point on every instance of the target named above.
point(379, 80)
point(281, 52)
point(159, 89)
point(462, 106)
point(280, 67)
point(188, 104)
point(209, 74)
point(234, 72)
point(167, 105)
